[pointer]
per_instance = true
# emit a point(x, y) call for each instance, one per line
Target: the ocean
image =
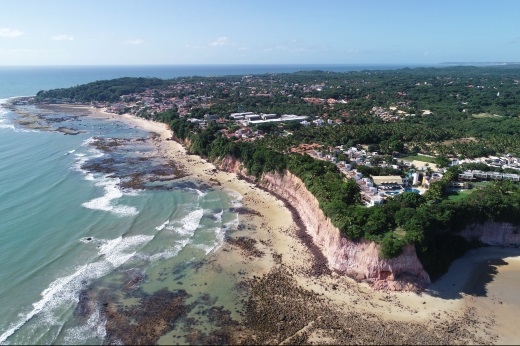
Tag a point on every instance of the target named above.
point(70, 229)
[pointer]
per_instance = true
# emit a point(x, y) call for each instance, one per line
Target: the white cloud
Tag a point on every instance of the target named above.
point(63, 37)
point(135, 42)
point(10, 33)
point(221, 41)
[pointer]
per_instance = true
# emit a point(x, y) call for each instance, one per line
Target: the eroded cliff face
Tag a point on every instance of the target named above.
point(361, 259)
point(357, 259)
point(493, 233)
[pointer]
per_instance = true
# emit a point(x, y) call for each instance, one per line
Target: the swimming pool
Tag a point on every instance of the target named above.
point(409, 189)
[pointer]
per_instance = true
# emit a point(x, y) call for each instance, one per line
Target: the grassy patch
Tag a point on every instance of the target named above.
point(481, 184)
point(458, 195)
point(420, 158)
point(485, 115)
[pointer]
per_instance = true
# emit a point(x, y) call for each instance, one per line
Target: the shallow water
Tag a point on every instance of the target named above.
point(71, 226)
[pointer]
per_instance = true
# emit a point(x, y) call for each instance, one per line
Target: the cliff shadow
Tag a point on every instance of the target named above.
point(470, 274)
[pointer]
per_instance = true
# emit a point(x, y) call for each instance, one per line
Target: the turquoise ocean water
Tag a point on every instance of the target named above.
point(64, 228)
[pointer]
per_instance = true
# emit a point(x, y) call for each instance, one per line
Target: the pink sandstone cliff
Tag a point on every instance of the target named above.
point(361, 260)
point(357, 259)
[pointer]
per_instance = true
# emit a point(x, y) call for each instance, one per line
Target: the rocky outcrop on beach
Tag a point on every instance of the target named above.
point(361, 259)
point(493, 233)
point(282, 312)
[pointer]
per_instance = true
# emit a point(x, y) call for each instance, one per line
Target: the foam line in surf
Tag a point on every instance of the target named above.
point(112, 192)
point(188, 224)
point(65, 290)
point(163, 225)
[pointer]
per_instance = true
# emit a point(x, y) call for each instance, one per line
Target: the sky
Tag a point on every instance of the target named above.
point(172, 32)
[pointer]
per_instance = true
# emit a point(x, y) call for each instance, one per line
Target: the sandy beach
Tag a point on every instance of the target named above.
point(292, 302)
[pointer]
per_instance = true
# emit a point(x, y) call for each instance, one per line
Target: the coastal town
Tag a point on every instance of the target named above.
point(416, 172)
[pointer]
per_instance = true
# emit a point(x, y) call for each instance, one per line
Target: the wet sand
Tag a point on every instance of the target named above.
point(290, 302)
point(488, 281)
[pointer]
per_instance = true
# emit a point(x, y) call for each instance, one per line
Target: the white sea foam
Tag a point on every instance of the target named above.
point(82, 158)
point(218, 216)
point(16, 129)
point(184, 230)
point(170, 252)
point(235, 198)
point(89, 176)
point(4, 122)
point(233, 223)
point(88, 141)
point(64, 291)
point(199, 193)
point(105, 202)
point(94, 326)
point(3, 111)
point(188, 224)
point(8, 126)
point(220, 233)
point(112, 191)
point(161, 227)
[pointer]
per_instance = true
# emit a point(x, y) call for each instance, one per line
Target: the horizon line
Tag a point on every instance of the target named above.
point(224, 64)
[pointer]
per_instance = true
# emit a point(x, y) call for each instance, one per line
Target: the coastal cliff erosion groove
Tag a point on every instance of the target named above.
point(361, 259)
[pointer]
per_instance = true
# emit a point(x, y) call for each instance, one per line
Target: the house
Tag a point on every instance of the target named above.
point(374, 200)
point(211, 116)
point(367, 182)
point(357, 175)
point(454, 162)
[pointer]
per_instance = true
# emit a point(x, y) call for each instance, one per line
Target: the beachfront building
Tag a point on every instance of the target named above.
point(283, 118)
point(481, 175)
point(388, 182)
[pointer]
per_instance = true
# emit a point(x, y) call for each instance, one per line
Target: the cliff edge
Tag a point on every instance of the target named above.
point(361, 259)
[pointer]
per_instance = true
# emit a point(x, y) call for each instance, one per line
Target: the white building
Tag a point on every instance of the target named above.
point(268, 116)
point(318, 122)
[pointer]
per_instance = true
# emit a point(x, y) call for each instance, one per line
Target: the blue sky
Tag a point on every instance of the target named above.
point(114, 32)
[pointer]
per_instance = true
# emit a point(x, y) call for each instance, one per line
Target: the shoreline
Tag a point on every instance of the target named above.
point(283, 246)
